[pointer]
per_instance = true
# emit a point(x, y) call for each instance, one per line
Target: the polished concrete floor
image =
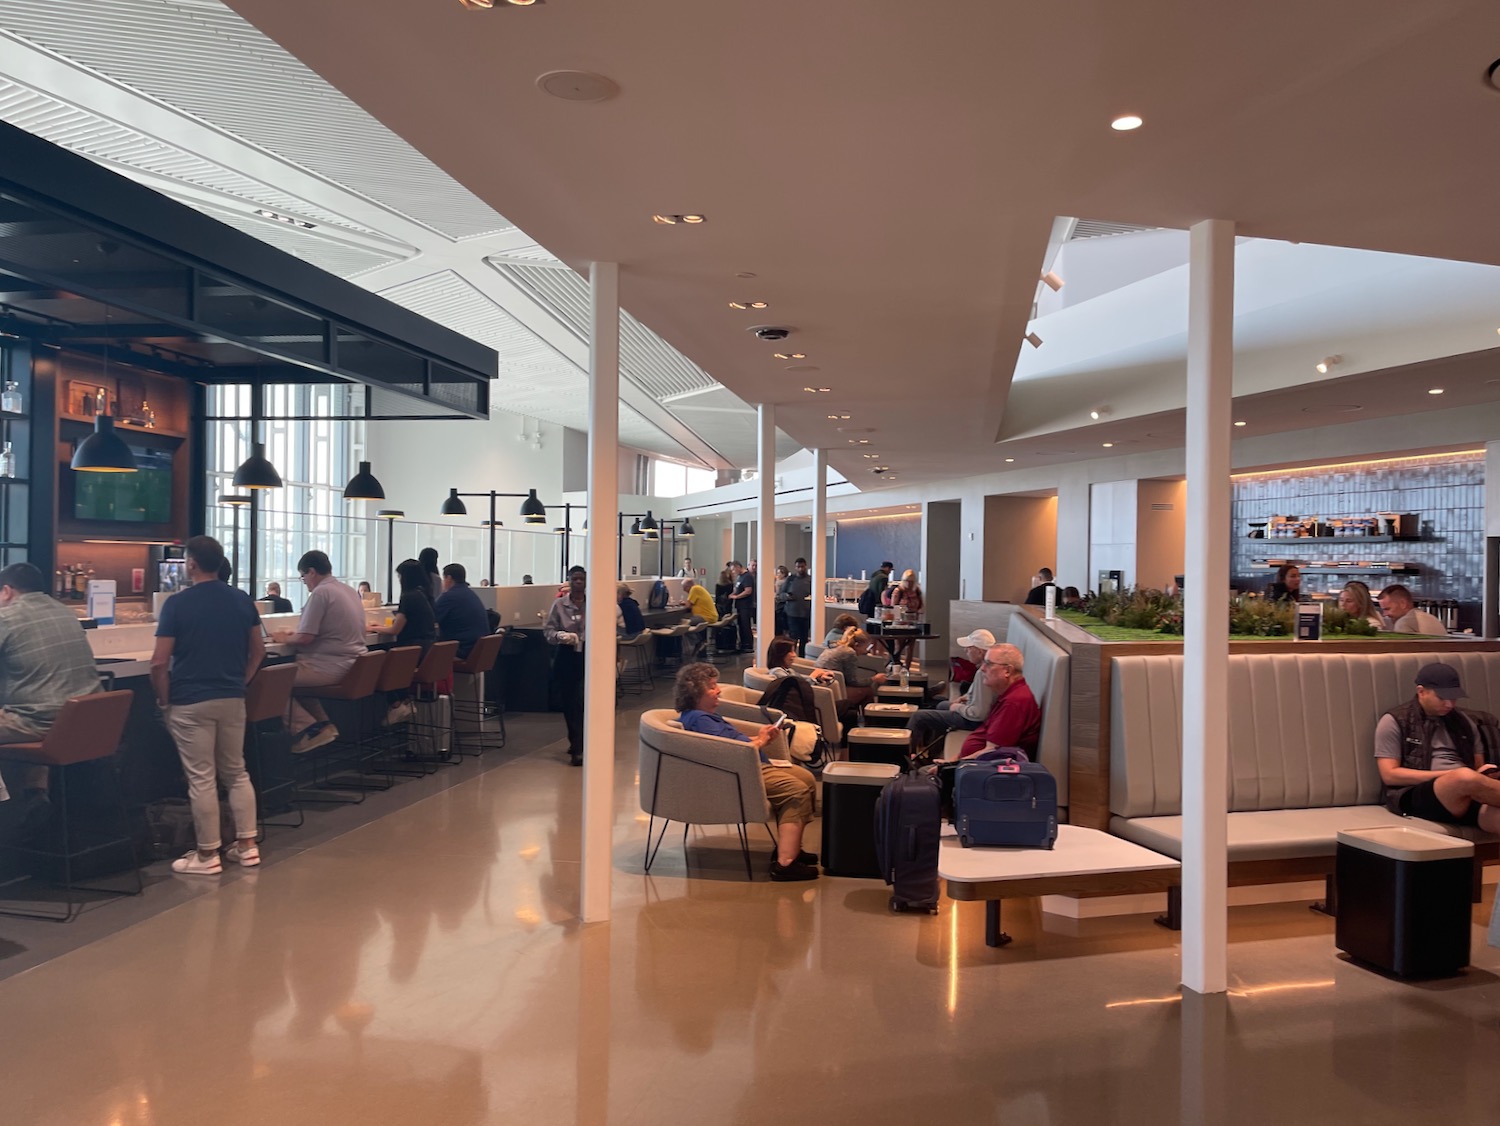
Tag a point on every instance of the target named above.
point(428, 966)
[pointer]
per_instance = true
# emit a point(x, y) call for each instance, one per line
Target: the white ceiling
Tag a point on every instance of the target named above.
point(891, 172)
point(889, 175)
point(187, 98)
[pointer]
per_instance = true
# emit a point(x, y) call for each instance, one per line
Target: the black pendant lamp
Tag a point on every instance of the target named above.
point(649, 523)
point(686, 531)
point(104, 451)
point(454, 506)
point(635, 527)
point(256, 472)
point(534, 510)
point(363, 485)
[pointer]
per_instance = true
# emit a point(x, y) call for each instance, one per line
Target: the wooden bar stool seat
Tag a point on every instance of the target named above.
point(87, 729)
point(267, 698)
point(396, 676)
point(347, 757)
point(432, 727)
point(469, 692)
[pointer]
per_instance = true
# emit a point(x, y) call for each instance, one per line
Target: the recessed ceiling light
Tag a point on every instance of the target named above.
point(1108, 445)
point(1126, 122)
point(817, 390)
point(477, 5)
point(666, 220)
point(837, 417)
point(747, 305)
point(1237, 424)
point(792, 356)
point(1327, 363)
point(1434, 390)
point(871, 456)
point(1010, 459)
point(746, 274)
point(578, 85)
point(690, 219)
point(859, 441)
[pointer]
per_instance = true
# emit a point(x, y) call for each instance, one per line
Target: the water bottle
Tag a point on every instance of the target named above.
point(905, 677)
point(7, 462)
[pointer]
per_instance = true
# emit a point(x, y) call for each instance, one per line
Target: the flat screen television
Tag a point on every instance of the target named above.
point(142, 497)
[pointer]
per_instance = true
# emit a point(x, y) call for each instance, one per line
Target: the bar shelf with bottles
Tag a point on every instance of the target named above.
point(1378, 527)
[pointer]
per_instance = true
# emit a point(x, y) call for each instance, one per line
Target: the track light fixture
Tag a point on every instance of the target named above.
point(1033, 339)
point(1054, 283)
point(1100, 412)
point(1328, 363)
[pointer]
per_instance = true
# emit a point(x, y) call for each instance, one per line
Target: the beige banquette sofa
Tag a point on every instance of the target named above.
point(1301, 762)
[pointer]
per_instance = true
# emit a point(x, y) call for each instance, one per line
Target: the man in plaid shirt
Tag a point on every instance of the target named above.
point(44, 660)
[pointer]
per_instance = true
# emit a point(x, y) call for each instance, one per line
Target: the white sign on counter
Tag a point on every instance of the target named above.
point(101, 601)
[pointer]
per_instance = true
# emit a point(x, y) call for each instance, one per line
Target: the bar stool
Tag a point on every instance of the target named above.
point(356, 689)
point(434, 709)
point(634, 664)
point(469, 694)
point(396, 676)
point(679, 631)
point(699, 633)
point(87, 729)
point(266, 700)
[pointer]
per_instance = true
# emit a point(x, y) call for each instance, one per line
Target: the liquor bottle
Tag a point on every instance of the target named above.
point(7, 461)
point(10, 399)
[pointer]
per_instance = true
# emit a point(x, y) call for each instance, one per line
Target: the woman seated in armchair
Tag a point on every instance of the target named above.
point(790, 789)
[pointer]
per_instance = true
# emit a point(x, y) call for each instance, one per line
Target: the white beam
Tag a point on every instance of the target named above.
point(599, 626)
point(765, 552)
point(819, 540)
point(1205, 649)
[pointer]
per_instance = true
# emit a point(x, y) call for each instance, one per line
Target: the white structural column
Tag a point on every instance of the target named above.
point(765, 548)
point(819, 566)
point(599, 619)
point(1205, 648)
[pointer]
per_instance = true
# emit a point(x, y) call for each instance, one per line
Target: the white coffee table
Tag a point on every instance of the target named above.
point(1082, 861)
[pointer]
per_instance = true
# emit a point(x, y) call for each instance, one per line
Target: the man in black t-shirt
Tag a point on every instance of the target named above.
point(209, 645)
point(742, 598)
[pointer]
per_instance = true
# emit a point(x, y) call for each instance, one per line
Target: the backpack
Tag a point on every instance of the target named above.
point(867, 603)
point(658, 598)
point(793, 697)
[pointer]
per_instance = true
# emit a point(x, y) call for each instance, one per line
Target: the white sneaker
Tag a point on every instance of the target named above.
point(193, 865)
point(401, 711)
point(247, 855)
point(319, 735)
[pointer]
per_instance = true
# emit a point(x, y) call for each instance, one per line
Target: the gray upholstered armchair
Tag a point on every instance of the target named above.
point(700, 779)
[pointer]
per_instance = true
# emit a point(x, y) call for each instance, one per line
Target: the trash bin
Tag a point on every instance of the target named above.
point(850, 790)
point(1404, 900)
point(880, 744)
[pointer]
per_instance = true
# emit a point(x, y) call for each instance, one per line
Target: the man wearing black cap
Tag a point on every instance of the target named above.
point(1435, 757)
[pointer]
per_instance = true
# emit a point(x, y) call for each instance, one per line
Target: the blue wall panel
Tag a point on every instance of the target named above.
point(861, 545)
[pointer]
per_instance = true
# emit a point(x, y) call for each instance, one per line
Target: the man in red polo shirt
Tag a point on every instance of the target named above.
point(1015, 720)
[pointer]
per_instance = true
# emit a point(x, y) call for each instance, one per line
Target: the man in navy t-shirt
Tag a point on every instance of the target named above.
point(461, 617)
point(208, 647)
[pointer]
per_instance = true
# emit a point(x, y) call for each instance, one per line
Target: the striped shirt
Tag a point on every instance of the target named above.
point(44, 659)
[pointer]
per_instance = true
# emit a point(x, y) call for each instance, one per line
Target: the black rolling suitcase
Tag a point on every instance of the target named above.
point(907, 825)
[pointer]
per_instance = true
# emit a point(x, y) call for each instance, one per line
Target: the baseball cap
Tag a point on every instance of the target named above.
point(1442, 679)
point(980, 639)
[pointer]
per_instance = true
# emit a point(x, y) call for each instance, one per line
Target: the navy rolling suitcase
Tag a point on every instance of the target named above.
point(907, 826)
point(1012, 804)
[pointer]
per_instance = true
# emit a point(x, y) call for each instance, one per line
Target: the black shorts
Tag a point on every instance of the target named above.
point(1421, 801)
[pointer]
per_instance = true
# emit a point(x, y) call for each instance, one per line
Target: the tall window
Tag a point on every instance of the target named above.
point(315, 457)
point(673, 479)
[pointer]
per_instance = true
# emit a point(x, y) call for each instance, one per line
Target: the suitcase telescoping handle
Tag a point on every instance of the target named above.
point(1008, 768)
